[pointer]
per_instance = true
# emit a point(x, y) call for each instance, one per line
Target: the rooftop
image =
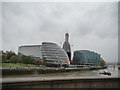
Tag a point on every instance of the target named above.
point(83, 51)
point(30, 46)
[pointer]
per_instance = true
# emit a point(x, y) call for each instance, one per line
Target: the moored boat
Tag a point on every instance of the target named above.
point(105, 73)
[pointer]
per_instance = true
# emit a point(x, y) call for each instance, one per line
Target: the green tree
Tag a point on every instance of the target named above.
point(14, 59)
point(9, 54)
point(4, 58)
point(102, 63)
point(39, 63)
point(19, 60)
point(27, 60)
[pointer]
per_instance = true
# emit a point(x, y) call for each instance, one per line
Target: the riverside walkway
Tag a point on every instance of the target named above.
point(90, 82)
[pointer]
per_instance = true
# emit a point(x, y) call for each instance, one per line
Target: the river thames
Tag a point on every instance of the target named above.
point(74, 74)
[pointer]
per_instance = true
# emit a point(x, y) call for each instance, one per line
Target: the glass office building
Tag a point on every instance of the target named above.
point(49, 53)
point(86, 57)
point(31, 50)
point(54, 55)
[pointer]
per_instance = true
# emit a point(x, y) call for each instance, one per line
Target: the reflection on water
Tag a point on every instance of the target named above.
point(94, 73)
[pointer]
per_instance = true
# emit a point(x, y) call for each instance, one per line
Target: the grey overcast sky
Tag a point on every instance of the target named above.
point(91, 25)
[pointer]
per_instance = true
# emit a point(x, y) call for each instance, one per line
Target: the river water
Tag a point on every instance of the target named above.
point(75, 74)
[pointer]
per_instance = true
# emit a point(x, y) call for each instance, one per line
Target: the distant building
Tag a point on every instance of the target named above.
point(49, 53)
point(86, 57)
point(66, 46)
point(54, 55)
point(31, 50)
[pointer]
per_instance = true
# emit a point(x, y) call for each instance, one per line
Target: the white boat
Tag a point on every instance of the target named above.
point(105, 72)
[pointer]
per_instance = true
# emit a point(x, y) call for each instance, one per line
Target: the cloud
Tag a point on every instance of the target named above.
point(91, 25)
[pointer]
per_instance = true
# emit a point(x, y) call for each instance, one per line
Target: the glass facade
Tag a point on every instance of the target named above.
point(54, 54)
point(31, 50)
point(50, 53)
point(86, 57)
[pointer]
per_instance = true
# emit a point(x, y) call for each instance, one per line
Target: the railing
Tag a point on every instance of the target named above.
point(64, 83)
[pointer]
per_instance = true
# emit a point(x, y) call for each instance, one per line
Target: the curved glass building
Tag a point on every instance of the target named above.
point(54, 55)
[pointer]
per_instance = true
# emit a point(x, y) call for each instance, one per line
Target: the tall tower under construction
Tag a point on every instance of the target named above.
point(66, 46)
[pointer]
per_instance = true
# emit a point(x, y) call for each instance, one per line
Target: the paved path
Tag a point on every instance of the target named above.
point(11, 80)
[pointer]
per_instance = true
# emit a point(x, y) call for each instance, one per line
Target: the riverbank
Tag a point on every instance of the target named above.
point(22, 71)
point(9, 65)
point(111, 82)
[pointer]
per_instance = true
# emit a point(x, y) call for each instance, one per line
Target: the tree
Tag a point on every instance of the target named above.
point(14, 59)
point(102, 63)
point(39, 62)
point(27, 60)
point(9, 54)
point(4, 58)
point(19, 60)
